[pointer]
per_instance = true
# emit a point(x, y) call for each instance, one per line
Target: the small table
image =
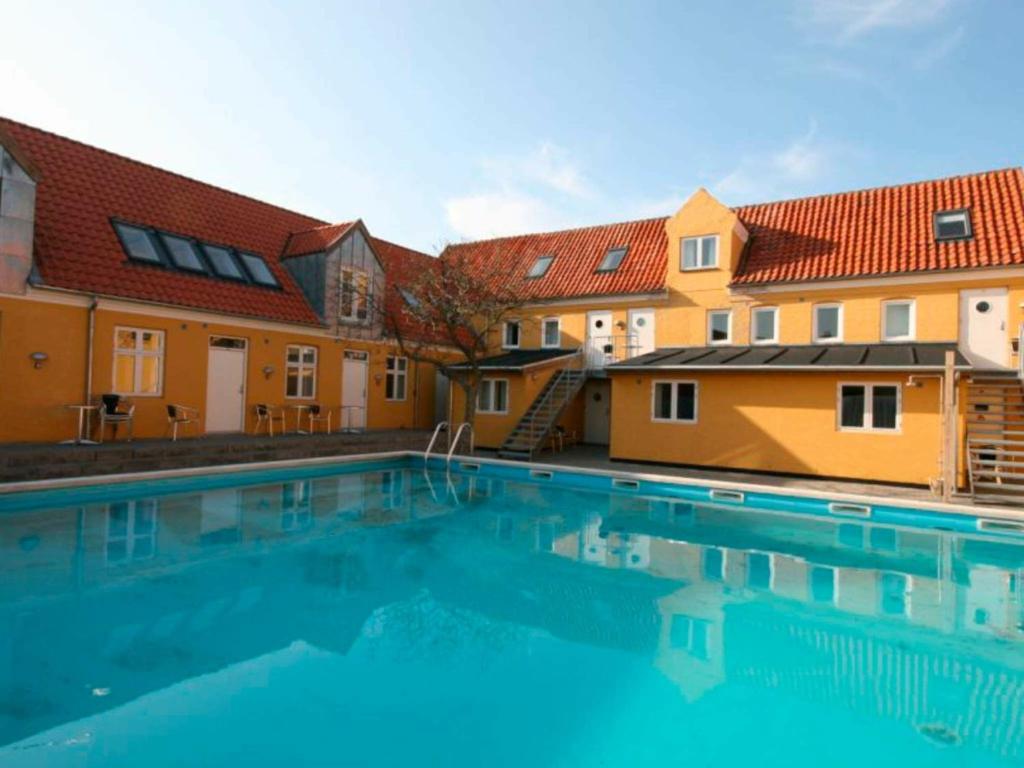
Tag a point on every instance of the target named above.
point(84, 424)
point(299, 408)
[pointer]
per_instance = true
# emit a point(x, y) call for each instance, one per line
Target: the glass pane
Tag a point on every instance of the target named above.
point(500, 395)
point(759, 570)
point(150, 383)
point(540, 266)
point(125, 339)
point(293, 354)
point(224, 263)
point(852, 414)
point(403, 363)
point(145, 517)
point(309, 355)
point(689, 253)
point(292, 383)
point(389, 386)
point(714, 564)
point(719, 326)
point(687, 401)
point(137, 243)
point(124, 373)
point(951, 224)
point(883, 407)
point(612, 259)
point(307, 383)
point(764, 325)
point(151, 341)
point(823, 585)
point(183, 253)
point(258, 269)
point(400, 388)
point(827, 322)
point(117, 519)
point(897, 320)
point(483, 396)
point(551, 334)
point(512, 334)
point(663, 401)
point(709, 252)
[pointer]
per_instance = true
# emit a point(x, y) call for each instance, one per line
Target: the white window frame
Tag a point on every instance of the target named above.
point(838, 305)
point(139, 354)
point(675, 401)
point(544, 336)
point(360, 301)
point(964, 213)
point(699, 239)
point(396, 372)
point(728, 338)
point(754, 312)
point(868, 419)
point(300, 367)
point(912, 320)
point(492, 385)
point(130, 537)
point(504, 334)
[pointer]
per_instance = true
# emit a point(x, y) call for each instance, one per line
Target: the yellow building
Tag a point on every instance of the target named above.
point(804, 336)
point(118, 278)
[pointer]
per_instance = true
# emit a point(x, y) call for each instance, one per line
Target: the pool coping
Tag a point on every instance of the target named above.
point(993, 512)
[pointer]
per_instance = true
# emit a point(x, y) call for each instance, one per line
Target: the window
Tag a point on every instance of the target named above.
point(822, 584)
point(897, 320)
point(355, 294)
point(713, 564)
point(223, 262)
point(492, 396)
point(690, 635)
point(138, 244)
point(131, 531)
point(952, 225)
point(410, 299)
point(759, 570)
point(138, 361)
point(612, 259)
point(699, 252)
point(551, 333)
point(675, 401)
point(394, 383)
point(258, 269)
point(540, 266)
point(296, 506)
point(183, 253)
point(869, 407)
point(719, 326)
point(300, 371)
point(828, 323)
point(510, 335)
point(764, 325)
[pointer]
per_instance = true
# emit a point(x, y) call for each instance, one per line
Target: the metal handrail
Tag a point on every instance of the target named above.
point(455, 441)
point(549, 395)
point(442, 427)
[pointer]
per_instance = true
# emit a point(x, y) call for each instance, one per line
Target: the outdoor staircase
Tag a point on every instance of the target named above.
point(995, 437)
point(537, 424)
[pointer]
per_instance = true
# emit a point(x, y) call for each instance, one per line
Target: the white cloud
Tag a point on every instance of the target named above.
point(850, 19)
point(548, 166)
point(493, 214)
point(939, 49)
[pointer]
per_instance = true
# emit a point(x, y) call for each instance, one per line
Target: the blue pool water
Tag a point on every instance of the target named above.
point(380, 615)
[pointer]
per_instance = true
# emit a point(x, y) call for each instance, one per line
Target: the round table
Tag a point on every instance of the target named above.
point(84, 424)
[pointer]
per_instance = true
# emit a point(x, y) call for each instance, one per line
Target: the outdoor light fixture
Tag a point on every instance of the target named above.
point(38, 358)
point(268, 371)
point(377, 378)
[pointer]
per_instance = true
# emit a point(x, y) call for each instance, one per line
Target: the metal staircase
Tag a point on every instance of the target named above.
point(540, 419)
point(995, 437)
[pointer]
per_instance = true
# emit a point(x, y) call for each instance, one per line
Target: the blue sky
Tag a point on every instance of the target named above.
point(436, 122)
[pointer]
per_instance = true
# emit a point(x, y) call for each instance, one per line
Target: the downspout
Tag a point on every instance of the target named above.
point(88, 350)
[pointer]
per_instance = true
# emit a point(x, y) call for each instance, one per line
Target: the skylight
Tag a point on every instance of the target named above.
point(182, 252)
point(540, 266)
point(138, 244)
point(258, 269)
point(409, 298)
point(612, 259)
point(223, 262)
point(952, 225)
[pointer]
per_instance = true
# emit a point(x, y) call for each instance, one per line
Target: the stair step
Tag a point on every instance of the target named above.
point(1016, 486)
point(971, 443)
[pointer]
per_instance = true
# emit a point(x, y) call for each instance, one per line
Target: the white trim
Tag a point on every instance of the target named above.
point(754, 311)
point(814, 322)
point(245, 376)
point(360, 300)
point(911, 320)
point(841, 283)
point(491, 382)
point(396, 374)
point(543, 334)
point(599, 299)
point(138, 355)
point(301, 366)
point(728, 339)
point(504, 334)
point(869, 387)
point(674, 401)
point(700, 252)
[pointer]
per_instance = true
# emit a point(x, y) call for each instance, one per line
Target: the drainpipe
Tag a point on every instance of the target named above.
point(88, 350)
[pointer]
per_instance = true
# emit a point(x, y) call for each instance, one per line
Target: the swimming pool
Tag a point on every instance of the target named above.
point(375, 613)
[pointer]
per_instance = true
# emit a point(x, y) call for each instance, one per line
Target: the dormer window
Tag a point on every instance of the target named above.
point(612, 259)
point(355, 292)
point(540, 266)
point(953, 225)
point(699, 252)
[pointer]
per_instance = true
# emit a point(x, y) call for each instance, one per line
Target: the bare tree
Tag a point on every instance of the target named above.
point(455, 305)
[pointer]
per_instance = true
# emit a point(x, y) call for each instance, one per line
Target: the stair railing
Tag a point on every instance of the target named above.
point(442, 427)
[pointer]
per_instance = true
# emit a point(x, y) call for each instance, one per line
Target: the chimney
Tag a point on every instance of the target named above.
point(17, 218)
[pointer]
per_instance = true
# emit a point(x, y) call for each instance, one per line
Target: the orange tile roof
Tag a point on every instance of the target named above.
point(401, 267)
point(885, 231)
point(317, 239)
point(577, 252)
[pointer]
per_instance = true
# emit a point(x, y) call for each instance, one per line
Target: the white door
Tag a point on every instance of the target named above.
point(641, 332)
point(983, 333)
point(600, 343)
point(225, 385)
point(597, 412)
point(353, 389)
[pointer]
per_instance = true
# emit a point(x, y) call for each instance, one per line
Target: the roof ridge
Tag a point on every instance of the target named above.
point(567, 230)
point(403, 247)
point(151, 166)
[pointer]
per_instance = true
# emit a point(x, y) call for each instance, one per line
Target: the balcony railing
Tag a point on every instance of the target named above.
point(600, 351)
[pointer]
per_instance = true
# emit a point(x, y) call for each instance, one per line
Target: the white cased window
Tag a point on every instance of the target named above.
point(764, 325)
point(300, 371)
point(510, 334)
point(898, 322)
point(828, 323)
point(492, 396)
point(698, 252)
point(138, 361)
point(551, 333)
point(395, 381)
point(674, 401)
point(869, 408)
point(719, 326)
point(354, 300)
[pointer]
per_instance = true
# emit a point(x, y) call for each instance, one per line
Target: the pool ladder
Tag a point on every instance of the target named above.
point(444, 427)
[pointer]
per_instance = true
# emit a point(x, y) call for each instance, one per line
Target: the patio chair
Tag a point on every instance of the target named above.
point(319, 415)
point(116, 410)
point(181, 416)
point(268, 414)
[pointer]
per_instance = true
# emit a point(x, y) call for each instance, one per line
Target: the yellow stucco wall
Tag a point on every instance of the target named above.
point(779, 423)
point(33, 399)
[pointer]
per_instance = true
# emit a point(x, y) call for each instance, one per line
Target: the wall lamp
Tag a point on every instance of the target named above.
point(268, 371)
point(38, 358)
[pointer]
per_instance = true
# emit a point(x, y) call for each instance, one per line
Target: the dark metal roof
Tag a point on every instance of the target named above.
point(910, 356)
point(515, 359)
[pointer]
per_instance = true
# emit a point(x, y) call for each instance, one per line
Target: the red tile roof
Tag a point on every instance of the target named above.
point(885, 231)
point(317, 239)
point(402, 266)
point(577, 252)
point(80, 188)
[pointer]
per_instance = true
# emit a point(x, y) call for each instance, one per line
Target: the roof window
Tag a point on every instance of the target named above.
point(138, 244)
point(258, 269)
point(183, 253)
point(223, 262)
point(612, 259)
point(540, 266)
point(953, 225)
